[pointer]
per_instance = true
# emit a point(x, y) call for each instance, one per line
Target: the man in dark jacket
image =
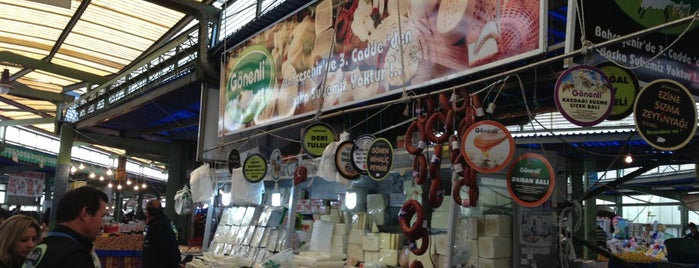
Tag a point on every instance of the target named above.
point(160, 247)
point(79, 216)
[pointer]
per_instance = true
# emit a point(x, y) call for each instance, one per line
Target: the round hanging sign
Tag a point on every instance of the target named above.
point(275, 162)
point(233, 160)
point(625, 86)
point(665, 114)
point(359, 151)
point(487, 146)
point(584, 95)
point(255, 168)
point(530, 180)
point(343, 161)
point(316, 137)
point(379, 159)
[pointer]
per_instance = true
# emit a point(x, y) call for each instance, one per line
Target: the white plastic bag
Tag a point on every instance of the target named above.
point(183, 201)
point(202, 183)
point(284, 259)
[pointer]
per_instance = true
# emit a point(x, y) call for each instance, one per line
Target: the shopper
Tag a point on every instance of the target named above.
point(79, 217)
point(693, 234)
point(19, 234)
point(160, 247)
point(601, 238)
point(17, 210)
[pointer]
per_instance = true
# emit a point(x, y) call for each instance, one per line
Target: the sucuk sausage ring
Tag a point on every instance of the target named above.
point(416, 264)
point(470, 176)
point(444, 102)
point(436, 195)
point(419, 169)
point(408, 142)
point(472, 194)
point(425, 237)
point(435, 161)
point(430, 132)
point(410, 208)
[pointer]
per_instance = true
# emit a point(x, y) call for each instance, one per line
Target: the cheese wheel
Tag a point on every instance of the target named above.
point(452, 18)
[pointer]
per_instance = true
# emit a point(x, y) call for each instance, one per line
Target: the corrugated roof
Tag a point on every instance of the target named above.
point(49, 49)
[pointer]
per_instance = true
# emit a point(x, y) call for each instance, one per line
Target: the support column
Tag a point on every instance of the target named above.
point(120, 179)
point(181, 157)
point(63, 165)
point(590, 206)
point(577, 175)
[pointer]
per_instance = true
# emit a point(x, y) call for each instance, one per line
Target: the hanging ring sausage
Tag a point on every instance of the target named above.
point(416, 264)
point(425, 237)
point(436, 195)
point(410, 208)
point(419, 169)
point(472, 194)
point(408, 142)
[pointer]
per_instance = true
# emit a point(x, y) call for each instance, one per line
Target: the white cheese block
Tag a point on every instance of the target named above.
point(441, 261)
point(356, 236)
point(441, 243)
point(355, 251)
point(389, 257)
point(339, 240)
point(370, 242)
point(494, 247)
point(498, 225)
point(339, 249)
point(494, 263)
point(468, 228)
point(320, 240)
point(385, 241)
point(378, 216)
point(371, 256)
point(341, 229)
point(440, 219)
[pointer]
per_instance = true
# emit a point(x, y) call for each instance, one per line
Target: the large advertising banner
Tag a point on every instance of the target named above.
point(26, 183)
point(676, 48)
point(326, 57)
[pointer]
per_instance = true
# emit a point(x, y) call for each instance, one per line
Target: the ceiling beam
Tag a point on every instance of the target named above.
point(61, 39)
point(134, 145)
point(193, 8)
point(24, 122)
point(619, 181)
point(53, 68)
point(24, 107)
point(21, 90)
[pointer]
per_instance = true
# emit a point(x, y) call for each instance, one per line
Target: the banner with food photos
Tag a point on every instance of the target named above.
point(26, 183)
point(327, 56)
